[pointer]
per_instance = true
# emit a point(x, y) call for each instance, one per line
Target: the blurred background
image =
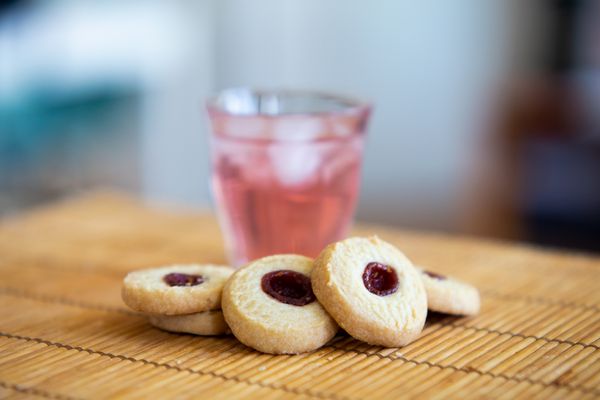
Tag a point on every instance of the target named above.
point(486, 122)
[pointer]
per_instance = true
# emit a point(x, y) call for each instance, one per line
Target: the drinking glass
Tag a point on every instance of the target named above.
point(285, 169)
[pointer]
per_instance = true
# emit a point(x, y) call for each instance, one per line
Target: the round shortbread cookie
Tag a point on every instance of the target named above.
point(203, 323)
point(176, 289)
point(372, 290)
point(449, 295)
point(269, 306)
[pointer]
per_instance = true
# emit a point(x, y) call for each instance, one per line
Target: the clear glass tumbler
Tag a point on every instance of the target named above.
point(285, 169)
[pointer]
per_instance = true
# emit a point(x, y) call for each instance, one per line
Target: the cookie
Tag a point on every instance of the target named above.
point(269, 305)
point(176, 289)
point(372, 290)
point(449, 295)
point(203, 323)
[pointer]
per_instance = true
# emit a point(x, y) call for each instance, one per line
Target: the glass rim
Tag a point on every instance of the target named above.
point(349, 105)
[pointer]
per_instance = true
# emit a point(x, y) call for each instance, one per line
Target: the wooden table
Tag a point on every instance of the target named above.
point(65, 333)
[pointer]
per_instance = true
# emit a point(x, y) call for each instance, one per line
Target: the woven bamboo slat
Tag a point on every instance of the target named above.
point(65, 333)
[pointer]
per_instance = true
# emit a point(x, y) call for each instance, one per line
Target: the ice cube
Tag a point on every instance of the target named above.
point(246, 127)
point(295, 163)
point(298, 127)
point(341, 127)
point(342, 159)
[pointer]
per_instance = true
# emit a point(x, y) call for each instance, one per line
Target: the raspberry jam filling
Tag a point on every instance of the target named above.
point(179, 279)
point(289, 287)
point(380, 279)
point(434, 275)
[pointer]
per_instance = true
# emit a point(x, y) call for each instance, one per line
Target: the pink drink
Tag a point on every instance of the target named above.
point(286, 187)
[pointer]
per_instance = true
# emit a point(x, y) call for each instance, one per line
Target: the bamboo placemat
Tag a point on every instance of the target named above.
point(65, 333)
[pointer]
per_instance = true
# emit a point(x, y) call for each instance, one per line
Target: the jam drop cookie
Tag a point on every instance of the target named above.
point(177, 289)
point(270, 306)
point(448, 295)
point(203, 323)
point(372, 290)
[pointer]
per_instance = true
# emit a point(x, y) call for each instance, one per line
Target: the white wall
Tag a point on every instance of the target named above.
point(429, 66)
point(174, 136)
